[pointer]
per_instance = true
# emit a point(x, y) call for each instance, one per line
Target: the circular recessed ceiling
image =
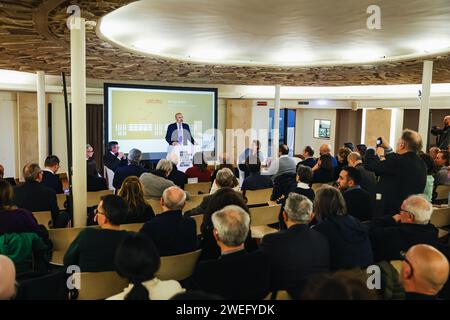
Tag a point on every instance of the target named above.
point(281, 32)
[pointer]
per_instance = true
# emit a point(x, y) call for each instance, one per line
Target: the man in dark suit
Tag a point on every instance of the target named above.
point(444, 138)
point(113, 158)
point(309, 161)
point(390, 235)
point(358, 201)
point(34, 196)
point(255, 180)
point(179, 133)
point(170, 231)
point(132, 169)
point(297, 252)
point(50, 178)
point(402, 174)
point(368, 179)
point(237, 274)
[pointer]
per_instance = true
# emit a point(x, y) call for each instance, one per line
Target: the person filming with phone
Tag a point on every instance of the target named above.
point(442, 134)
point(401, 174)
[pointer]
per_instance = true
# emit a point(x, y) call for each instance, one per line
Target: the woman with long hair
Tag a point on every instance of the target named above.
point(132, 192)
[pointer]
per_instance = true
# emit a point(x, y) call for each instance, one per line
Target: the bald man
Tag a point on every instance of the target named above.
point(424, 272)
point(443, 140)
point(402, 174)
point(171, 232)
point(326, 149)
point(7, 278)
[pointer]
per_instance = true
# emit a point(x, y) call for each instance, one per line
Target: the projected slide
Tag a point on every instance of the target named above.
point(138, 116)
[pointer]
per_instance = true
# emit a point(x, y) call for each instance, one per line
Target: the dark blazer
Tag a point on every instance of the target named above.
point(368, 180)
point(388, 237)
point(172, 134)
point(112, 162)
point(34, 197)
point(178, 177)
point(295, 254)
point(310, 162)
point(444, 139)
point(122, 173)
point(283, 184)
point(323, 176)
point(349, 242)
point(256, 181)
point(235, 276)
point(309, 193)
point(359, 203)
point(52, 181)
point(201, 208)
point(172, 233)
point(400, 177)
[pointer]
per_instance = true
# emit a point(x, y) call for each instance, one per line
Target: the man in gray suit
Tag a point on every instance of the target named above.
point(284, 164)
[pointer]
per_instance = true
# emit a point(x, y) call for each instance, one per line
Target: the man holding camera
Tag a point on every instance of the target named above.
point(443, 135)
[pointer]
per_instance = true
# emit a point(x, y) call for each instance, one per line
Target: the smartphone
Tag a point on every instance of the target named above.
point(379, 141)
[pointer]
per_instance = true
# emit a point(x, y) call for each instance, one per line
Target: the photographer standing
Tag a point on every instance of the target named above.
point(443, 135)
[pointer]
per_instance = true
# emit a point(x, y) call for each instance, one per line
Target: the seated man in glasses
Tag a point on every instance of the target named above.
point(424, 272)
point(411, 226)
point(94, 249)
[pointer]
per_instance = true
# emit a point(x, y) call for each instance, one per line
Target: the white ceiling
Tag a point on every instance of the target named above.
point(280, 32)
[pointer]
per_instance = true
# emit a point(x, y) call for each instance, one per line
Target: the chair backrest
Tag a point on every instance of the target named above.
point(134, 227)
point(198, 222)
point(61, 199)
point(193, 202)
point(198, 188)
point(109, 176)
point(43, 217)
point(178, 267)
point(440, 217)
point(99, 285)
point(261, 196)
point(261, 216)
point(156, 205)
point(93, 198)
point(63, 237)
point(442, 192)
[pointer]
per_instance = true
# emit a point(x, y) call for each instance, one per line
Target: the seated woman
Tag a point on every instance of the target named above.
point(137, 260)
point(253, 152)
point(323, 170)
point(255, 180)
point(349, 240)
point(13, 219)
point(199, 169)
point(133, 193)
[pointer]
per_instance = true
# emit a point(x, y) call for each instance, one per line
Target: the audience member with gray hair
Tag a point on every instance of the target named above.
point(132, 169)
point(237, 274)
point(157, 181)
point(176, 176)
point(390, 235)
point(297, 252)
point(171, 232)
point(225, 178)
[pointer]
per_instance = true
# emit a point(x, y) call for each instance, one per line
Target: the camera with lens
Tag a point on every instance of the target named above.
point(436, 131)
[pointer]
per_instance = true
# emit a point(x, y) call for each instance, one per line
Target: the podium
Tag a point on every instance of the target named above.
point(185, 155)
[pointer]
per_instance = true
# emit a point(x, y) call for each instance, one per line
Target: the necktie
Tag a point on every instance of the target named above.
point(180, 133)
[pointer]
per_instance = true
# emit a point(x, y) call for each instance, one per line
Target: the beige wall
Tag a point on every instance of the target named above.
point(8, 133)
point(378, 123)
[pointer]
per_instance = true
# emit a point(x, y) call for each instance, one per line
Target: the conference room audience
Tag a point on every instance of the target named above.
point(358, 201)
point(50, 178)
point(95, 182)
point(323, 170)
point(139, 210)
point(225, 179)
point(35, 197)
point(341, 161)
point(297, 252)
point(424, 272)
point(199, 168)
point(326, 149)
point(255, 180)
point(14, 219)
point(7, 278)
point(113, 158)
point(442, 164)
point(178, 177)
point(283, 164)
point(431, 171)
point(94, 249)
point(137, 260)
point(433, 152)
point(132, 169)
point(171, 232)
point(308, 154)
point(368, 179)
point(156, 182)
point(348, 239)
point(391, 234)
point(237, 274)
point(402, 174)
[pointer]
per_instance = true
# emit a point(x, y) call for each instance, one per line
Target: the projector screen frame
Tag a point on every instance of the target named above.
point(146, 156)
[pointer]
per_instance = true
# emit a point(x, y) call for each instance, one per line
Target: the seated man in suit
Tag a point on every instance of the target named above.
point(113, 158)
point(237, 274)
point(50, 178)
point(94, 249)
point(170, 231)
point(390, 235)
point(424, 272)
point(297, 252)
point(255, 180)
point(358, 201)
point(34, 196)
point(132, 169)
point(157, 181)
point(176, 176)
point(179, 133)
point(309, 161)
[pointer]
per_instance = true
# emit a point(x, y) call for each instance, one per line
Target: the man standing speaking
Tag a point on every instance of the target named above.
point(178, 133)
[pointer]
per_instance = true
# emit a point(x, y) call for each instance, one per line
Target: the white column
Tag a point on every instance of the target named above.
point(424, 114)
point(78, 95)
point(42, 121)
point(276, 123)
